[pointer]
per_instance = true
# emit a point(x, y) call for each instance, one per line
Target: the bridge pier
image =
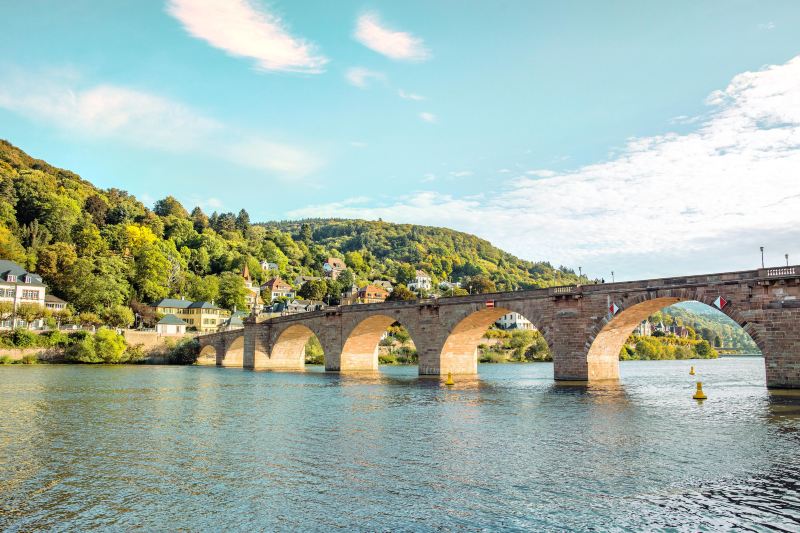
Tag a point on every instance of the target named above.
point(780, 341)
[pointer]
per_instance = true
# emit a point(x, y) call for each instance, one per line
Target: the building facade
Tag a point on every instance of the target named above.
point(333, 266)
point(18, 287)
point(204, 317)
point(421, 281)
point(514, 321)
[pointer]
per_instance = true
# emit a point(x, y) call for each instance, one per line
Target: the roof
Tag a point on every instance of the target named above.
point(383, 283)
point(335, 262)
point(10, 267)
point(422, 273)
point(246, 272)
point(233, 321)
point(171, 320)
point(172, 302)
point(373, 289)
point(49, 298)
point(277, 282)
point(183, 304)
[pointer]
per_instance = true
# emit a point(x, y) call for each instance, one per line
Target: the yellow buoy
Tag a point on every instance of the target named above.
point(699, 394)
point(691, 371)
point(449, 379)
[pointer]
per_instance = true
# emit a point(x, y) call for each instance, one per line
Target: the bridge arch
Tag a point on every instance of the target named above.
point(361, 345)
point(459, 353)
point(289, 348)
point(233, 355)
point(207, 355)
point(608, 337)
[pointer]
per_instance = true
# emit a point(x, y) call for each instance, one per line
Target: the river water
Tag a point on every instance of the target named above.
point(203, 448)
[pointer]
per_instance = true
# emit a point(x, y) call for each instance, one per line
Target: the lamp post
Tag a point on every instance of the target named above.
point(612, 276)
point(580, 272)
point(787, 259)
point(762, 256)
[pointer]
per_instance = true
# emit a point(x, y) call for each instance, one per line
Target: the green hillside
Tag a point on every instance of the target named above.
point(103, 248)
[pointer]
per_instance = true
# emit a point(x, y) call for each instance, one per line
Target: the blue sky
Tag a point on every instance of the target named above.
point(616, 135)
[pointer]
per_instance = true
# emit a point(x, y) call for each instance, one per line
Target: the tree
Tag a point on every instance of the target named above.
point(89, 319)
point(54, 262)
point(97, 209)
point(203, 289)
point(355, 261)
point(118, 316)
point(405, 274)
point(479, 284)
point(314, 289)
point(29, 312)
point(170, 206)
point(6, 310)
point(401, 292)
point(98, 282)
point(346, 279)
point(232, 292)
point(199, 219)
point(243, 221)
point(10, 248)
point(305, 233)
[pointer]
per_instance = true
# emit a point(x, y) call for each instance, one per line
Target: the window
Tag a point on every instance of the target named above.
point(30, 295)
point(11, 278)
point(27, 279)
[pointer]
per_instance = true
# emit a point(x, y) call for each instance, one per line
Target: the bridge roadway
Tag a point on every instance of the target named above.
point(585, 326)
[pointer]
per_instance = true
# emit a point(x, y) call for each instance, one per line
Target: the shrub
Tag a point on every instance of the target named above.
point(109, 346)
point(387, 359)
point(82, 351)
point(135, 354)
point(29, 359)
point(22, 338)
point(6, 360)
point(54, 339)
point(185, 352)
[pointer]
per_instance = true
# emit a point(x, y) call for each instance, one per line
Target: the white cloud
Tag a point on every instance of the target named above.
point(393, 44)
point(410, 96)
point(666, 205)
point(461, 173)
point(767, 26)
point(428, 117)
point(242, 29)
point(541, 173)
point(361, 77)
point(142, 119)
point(429, 177)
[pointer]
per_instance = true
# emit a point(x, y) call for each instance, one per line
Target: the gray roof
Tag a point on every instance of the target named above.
point(233, 321)
point(10, 267)
point(171, 320)
point(49, 298)
point(183, 304)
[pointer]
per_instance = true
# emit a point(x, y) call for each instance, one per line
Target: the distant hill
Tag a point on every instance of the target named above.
point(99, 248)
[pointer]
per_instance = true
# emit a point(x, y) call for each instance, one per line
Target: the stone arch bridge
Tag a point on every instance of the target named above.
point(584, 326)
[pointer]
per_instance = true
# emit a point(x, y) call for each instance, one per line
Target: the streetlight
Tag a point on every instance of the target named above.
point(787, 259)
point(580, 272)
point(762, 256)
point(612, 276)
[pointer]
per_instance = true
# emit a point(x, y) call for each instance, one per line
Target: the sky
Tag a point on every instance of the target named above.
point(645, 138)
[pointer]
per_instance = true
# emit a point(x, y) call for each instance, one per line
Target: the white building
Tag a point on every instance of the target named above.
point(266, 265)
point(514, 321)
point(422, 281)
point(19, 286)
point(171, 325)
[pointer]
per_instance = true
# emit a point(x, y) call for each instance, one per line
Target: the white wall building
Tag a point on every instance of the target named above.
point(19, 286)
point(514, 321)
point(422, 281)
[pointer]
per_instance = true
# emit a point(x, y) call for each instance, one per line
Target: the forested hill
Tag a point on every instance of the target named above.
point(441, 252)
point(99, 248)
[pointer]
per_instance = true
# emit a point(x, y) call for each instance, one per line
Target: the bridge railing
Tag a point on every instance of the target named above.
point(779, 271)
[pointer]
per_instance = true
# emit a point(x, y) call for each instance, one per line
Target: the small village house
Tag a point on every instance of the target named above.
point(421, 281)
point(171, 325)
point(372, 294)
point(277, 288)
point(333, 266)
